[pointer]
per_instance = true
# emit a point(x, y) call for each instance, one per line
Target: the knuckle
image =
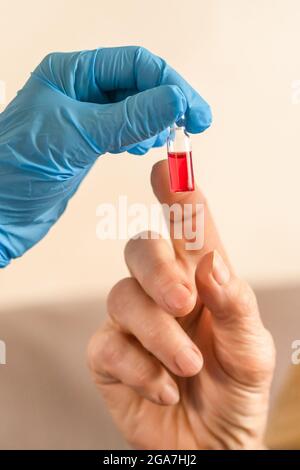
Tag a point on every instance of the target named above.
point(47, 58)
point(143, 376)
point(242, 297)
point(143, 237)
point(94, 353)
point(104, 353)
point(142, 55)
point(173, 91)
point(111, 354)
point(158, 274)
point(143, 51)
point(120, 296)
point(50, 57)
point(173, 96)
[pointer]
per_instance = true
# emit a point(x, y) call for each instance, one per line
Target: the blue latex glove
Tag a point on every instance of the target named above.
point(75, 107)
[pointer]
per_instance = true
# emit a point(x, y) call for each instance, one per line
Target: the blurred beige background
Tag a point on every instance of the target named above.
point(243, 56)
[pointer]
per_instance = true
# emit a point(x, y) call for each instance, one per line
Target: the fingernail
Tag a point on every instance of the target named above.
point(189, 361)
point(177, 297)
point(169, 395)
point(220, 271)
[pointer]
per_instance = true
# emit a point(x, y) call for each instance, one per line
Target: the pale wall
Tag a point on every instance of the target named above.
point(243, 56)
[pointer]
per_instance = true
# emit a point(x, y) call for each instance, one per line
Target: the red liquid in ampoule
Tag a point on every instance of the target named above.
point(181, 171)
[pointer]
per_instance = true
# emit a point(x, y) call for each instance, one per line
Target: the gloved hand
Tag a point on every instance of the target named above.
point(75, 107)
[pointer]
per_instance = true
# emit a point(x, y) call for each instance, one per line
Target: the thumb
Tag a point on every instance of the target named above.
point(229, 299)
point(114, 127)
point(242, 345)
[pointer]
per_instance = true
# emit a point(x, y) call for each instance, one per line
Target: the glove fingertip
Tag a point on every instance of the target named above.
point(198, 119)
point(161, 139)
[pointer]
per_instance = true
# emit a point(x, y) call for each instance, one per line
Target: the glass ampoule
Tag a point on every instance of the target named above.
point(180, 159)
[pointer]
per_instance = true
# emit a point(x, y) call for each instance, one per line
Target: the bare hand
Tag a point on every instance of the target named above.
point(183, 361)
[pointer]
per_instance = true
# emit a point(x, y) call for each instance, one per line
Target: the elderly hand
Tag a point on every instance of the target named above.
point(183, 360)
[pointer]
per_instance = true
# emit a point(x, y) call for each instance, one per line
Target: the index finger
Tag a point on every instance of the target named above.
point(197, 204)
point(113, 73)
point(134, 67)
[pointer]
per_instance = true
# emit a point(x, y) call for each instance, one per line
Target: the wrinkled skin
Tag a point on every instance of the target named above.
point(218, 400)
